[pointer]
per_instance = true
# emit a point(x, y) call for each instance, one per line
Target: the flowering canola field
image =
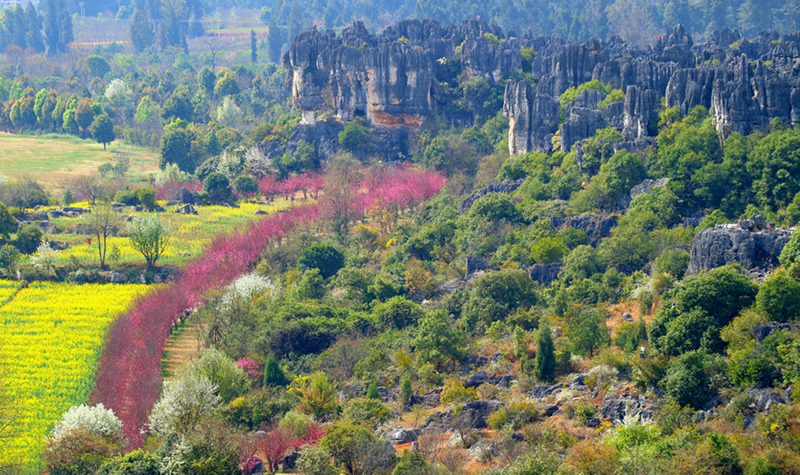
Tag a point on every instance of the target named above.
point(51, 337)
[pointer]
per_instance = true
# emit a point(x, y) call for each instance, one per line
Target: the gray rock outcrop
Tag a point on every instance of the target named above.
point(545, 274)
point(725, 243)
point(595, 227)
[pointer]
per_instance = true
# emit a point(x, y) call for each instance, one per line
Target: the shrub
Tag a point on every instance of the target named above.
point(368, 411)
point(694, 378)
point(223, 373)
point(150, 237)
point(315, 460)
point(516, 414)
point(126, 197)
point(218, 187)
point(28, 238)
point(185, 401)
point(324, 257)
point(7, 222)
point(454, 391)
point(147, 197)
point(273, 374)
point(295, 424)
point(405, 394)
point(317, 395)
point(78, 452)
point(779, 297)
point(398, 312)
point(673, 262)
point(245, 185)
point(137, 462)
point(94, 420)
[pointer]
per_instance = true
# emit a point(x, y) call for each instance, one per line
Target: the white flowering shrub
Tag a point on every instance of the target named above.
point(248, 286)
point(223, 372)
point(230, 163)
point(45, 258)
point(96, 420)
point(633, 431)
point(185, 401)
point(176, 457)
point(256, 163)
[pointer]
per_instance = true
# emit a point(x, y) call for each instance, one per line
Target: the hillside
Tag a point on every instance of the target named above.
point(432, 249)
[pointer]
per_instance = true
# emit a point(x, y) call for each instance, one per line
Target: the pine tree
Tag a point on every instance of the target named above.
point(545, 354)
point(141, 32)
point(273, 374)
point(405, 391)
point(34, 36)
point(65, 36)
point(253, 47)
point(51, 26)
point(372, 391)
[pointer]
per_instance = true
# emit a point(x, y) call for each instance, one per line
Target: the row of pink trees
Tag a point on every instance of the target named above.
point(129, 378)
point(310, 184)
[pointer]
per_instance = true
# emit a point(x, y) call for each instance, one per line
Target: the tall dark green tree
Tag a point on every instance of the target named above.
point(51, 25)
point(34, 38)
point(273, 374)
point(141, 28)
point(65, 35)
point(253, 47)
point(545, 353)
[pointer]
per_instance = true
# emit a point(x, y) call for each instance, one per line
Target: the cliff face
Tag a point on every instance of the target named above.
point(745, 84)
point(391, 79)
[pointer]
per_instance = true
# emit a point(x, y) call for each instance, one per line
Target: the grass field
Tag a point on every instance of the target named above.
point(53, 159)
point(53, 334)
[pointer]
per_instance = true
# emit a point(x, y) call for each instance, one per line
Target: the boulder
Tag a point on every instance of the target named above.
point(550, 410)
point(184, 196)
point(765, 398)
point(720, 245)
point(545, 274)
point(482, 451)
point(595, 227)
point(763, 330)
point(505, 188)
point(475, 264)
point(401, 436)
point(616, 408)
point(118, 278)
point(484, 408)
point(477, 379)
point(289, 461)
point(627, 317)
point(186, 209)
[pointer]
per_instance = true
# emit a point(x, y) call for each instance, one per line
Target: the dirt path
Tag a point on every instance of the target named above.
point(182, 346)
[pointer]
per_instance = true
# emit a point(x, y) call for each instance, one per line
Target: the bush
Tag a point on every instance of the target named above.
point(137, 462)
point(516, 414)
point(295, 424)
point(218, 187)
point(398, 312)
point(454, 391)
point(245, 185)
point(315, 460)
point(147, 197)
point(78, 452)
point(273, 374)
point(324, 257)
point(495, 207)
point(497, 294)
point(673, 262)
point(223, 373)
point(368, 411)
point(779, 297)
point(185, 401)
point(694, 378)
point(28, 238)
point(127, 197)
point(94, 420)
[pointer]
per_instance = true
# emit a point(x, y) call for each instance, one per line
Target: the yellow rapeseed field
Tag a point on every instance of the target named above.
point(51, 337)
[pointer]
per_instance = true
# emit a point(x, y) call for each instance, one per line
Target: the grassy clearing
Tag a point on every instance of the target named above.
point(52, 159)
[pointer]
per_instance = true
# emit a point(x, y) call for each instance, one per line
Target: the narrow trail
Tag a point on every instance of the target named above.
point(182, 346)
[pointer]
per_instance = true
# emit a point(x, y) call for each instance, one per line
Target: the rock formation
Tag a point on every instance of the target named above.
point(725, 243)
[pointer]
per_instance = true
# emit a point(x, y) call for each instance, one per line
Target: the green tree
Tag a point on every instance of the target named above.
point(8, 225)
point(137, 462)
point(372, 390)
point(722, 293)
point(98, 66)
point(227, 84)
point(587, 329)
point(439, 340)
point(103, 220)
point(150, 237)
point(34, 37)
point(406, 392)
point(102, 129)
point(617, 176)
point(779, 297)
point(324, 257)
point(273, 374)
point(176, 147)
point(545, 353)
point(28, 238)
point(245, 185)
point(147, 197)
point(398, 313)
point(497, 294)
point(253, 47)
point(354, 138)
point(218, 187)
point(495, 207)
point(84, 114)
point(206, 81)
point(790, 255)
point(693, 378)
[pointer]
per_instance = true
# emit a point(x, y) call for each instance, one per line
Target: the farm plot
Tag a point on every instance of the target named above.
point(51, 337)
